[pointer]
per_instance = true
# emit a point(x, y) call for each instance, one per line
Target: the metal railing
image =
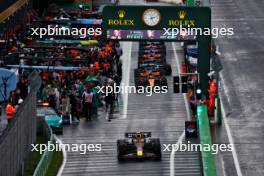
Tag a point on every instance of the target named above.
point(12, 9)
point(16, 139)
point(5, 4)
point(46, 157)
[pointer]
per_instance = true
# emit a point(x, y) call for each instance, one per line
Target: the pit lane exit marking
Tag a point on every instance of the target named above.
point(188, 114)
point(126, 60)
point(229, 134)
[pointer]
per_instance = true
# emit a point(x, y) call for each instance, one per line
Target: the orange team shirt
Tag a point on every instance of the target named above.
point(13, 49)
point(96, 65)
point(190, 94)
point(10, 109)
point(101, 54)
point(108, 48)
point(45, 76)
point(106, 54)
point(106, 65)
point(212, 86)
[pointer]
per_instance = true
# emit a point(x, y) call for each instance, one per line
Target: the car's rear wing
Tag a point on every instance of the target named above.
point(153, 43)
point(133, 134)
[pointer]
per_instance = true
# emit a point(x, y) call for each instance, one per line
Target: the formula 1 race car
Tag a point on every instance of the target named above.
point(151, 56)
point(151, 61)
point(147, 71)
point(164, 68)
point(138, 145)
point(151, 45)
point(152, 51)
point(151, 80)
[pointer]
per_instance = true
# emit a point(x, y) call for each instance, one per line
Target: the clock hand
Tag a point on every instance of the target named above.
point(152, 21)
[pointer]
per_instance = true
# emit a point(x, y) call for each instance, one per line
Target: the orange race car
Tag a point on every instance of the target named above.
point(148, 71)
point(152, 51)
point(149, 77)
point(152, 47)
point(147, 56)
point(151, 80)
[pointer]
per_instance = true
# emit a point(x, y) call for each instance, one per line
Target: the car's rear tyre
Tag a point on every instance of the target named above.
point(155, 147)
point(163, 72)
point(123, 148)
point(121, 145)
point(168, 70)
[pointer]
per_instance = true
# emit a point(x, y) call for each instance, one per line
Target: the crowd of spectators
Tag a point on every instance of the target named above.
point(70, 90)
point(77, 91)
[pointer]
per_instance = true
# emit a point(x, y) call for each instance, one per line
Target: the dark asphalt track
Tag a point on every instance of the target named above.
point(161, 114)
point(242, 89)
point(243, 85)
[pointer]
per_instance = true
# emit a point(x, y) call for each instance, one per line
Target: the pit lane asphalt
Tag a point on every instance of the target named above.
point(161, 114)
point(243, 85)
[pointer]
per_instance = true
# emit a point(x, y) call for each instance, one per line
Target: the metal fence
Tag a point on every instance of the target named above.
point(5, 4)
point(44, 130)
point(16, 139)
point(14, 19)
point(8, 25)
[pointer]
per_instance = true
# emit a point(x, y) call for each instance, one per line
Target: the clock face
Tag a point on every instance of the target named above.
point(151, 17)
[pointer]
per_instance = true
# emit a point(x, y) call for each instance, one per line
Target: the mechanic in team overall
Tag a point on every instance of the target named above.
point(119, 52)
point(10, 111)
point(109, 103)
point(87, 103)
point(74, 103)
point(119, 70)
point(117, 80)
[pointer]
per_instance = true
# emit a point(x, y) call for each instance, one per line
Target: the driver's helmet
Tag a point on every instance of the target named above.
point(139, 135)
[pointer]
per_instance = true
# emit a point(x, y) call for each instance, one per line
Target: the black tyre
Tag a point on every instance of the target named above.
point(163, 72)
point(155, 147)
point(121, 147)
point(168, 69)
point(124, 148)
point(163, 82)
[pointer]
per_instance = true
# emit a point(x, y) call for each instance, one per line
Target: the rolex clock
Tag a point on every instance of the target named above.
point(151, 17)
